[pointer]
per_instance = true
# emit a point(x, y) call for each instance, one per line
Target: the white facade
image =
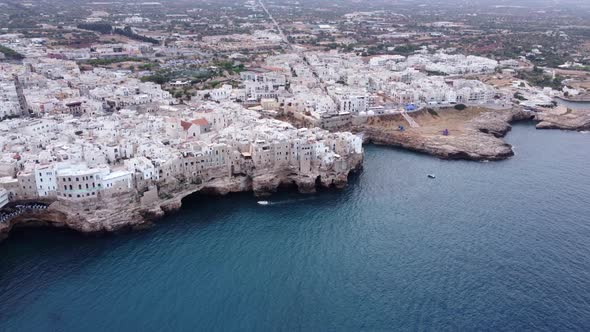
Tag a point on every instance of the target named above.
point(46, 180)
point(79, 182)
point(3, 197)
point(118, 181)
point(142, 166)
point(9, 102)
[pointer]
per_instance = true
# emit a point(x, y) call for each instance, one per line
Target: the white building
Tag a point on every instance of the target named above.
point(143, 166)
point(46, 180)
point(77, 182)
point(350, 100)
point(117, 181)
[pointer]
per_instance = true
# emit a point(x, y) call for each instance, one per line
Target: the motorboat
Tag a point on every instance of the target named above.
point(432, 176)
point(263, 202)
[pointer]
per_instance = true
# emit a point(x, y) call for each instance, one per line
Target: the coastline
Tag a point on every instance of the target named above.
point(476, 135)
point(132, 210)
point(581, 99)
point(478, 138)
point(472, 136)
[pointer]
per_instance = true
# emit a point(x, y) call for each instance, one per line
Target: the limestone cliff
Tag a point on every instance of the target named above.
point(564, 118)
point(473, 134)
point(131, 210)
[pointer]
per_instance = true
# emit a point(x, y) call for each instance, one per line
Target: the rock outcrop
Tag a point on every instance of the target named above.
point(473, 135)
point(564, 118)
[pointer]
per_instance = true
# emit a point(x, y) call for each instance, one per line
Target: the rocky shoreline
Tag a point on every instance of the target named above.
point(129, 211)
point(577, 99)
point(564, 118)
point(470, 138)
point(473, 136)
point(476, 136)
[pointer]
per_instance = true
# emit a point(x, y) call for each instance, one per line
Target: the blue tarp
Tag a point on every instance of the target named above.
point(410, 107)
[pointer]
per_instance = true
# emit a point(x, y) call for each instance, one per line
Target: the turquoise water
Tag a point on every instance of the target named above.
point(484, 246)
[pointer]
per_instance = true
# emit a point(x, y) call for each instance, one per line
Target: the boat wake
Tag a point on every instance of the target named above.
point(289, 201)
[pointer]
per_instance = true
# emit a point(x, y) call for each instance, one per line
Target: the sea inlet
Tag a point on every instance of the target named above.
point(483, 246)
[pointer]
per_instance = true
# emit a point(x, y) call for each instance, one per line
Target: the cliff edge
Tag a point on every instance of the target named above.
point(469, 134)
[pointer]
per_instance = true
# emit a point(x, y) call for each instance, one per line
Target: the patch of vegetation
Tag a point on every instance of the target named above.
point(519, 96)
point(460, 107)
point(537, 77)
point(432, 112)
point(10, 54)
point(435, 73)
point(160, 77)
point(103, 28)
point(405, 49)
point(128, 32)
point(147, 66)
point(106, 28)
point(202, 76)
point(212, 85)
point(230, 67)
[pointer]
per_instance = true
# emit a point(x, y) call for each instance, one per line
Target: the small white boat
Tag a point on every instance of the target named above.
point(263, 202)
point(432, 176)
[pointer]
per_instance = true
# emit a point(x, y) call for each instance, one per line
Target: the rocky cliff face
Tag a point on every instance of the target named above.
point(103, 216)
point(47, 217)
point(472, 146)
point(126, 211)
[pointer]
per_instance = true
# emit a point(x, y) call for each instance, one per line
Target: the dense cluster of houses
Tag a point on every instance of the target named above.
point(67, 157)
point(69, 148)
point(43, 86)
point(330, 89)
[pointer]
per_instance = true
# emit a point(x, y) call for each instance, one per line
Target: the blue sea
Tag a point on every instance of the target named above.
point(500, 246)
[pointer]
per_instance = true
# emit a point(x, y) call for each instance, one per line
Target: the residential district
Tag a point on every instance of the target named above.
point(79, 135)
